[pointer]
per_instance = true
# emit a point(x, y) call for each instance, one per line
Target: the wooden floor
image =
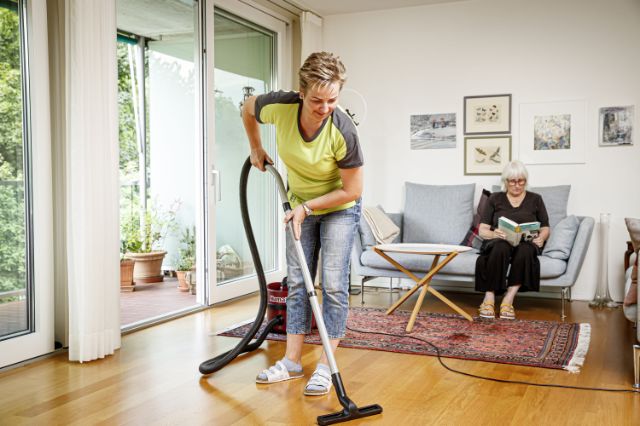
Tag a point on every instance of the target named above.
point(154, 380)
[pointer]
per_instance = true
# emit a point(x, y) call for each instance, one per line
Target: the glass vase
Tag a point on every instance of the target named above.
point(602, 299)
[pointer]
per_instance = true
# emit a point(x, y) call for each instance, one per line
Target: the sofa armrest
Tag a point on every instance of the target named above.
point(579, 250)
point(358, 248)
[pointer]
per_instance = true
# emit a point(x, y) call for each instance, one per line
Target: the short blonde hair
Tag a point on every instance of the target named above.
point(321, 69)
point(514, 170)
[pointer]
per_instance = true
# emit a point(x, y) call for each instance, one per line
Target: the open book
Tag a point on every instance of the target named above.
point(516, 232)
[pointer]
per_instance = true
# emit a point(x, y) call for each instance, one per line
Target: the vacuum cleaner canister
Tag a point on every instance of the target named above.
point(277, 293)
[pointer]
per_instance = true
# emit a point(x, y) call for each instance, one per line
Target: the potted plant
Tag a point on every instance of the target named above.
point(186, 259)
point(126, 269)
point(144, 242)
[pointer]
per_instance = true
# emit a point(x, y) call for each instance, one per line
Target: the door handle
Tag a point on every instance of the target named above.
point(216, 183)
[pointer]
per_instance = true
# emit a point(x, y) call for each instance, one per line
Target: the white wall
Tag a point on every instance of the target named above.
point(426, 59)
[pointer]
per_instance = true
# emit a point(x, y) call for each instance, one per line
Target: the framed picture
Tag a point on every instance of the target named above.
point(616, 126)
point(433, 131)
point(486, 155)
point(553, 132)
point(488, 114)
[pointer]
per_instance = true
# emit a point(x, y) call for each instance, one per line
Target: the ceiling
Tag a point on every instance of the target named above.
point(336, 7)
point(156, 19)
point(161, 19)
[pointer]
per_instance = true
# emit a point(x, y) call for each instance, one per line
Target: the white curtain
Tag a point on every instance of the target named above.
point(86, 176)
point(311, 34)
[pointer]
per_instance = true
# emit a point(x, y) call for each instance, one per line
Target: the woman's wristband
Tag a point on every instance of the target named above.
point(307, 209)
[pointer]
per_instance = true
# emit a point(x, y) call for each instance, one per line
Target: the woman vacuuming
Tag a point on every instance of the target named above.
point(318, 144)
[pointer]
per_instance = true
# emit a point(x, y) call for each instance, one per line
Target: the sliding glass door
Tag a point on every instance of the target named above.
point(185, 69)
point(245, 64)
point(16, 299)
point(160, 158)
point(26, 289)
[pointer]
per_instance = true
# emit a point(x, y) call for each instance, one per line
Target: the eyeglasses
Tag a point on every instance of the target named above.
point(514, 182)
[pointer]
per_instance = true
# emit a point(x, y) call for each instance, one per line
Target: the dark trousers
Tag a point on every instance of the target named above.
point(500, 265)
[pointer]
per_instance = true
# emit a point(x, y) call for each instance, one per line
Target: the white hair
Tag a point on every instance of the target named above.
point(514, 170)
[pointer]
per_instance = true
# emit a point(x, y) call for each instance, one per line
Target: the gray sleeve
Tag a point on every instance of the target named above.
point(353, 157)
point(279, 97)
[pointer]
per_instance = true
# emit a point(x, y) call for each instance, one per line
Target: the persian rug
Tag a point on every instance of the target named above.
point(546, 344)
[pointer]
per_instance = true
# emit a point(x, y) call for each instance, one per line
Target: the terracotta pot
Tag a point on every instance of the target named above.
point(126, 275)
point(148, 266)
point(183, 282)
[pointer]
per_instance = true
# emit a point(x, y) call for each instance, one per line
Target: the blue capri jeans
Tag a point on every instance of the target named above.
point(334, 233)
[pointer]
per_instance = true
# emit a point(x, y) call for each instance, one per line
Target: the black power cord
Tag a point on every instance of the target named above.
point(492, 379)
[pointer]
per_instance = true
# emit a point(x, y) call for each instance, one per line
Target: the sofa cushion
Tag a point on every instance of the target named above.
point(561, 239)
point(438, 214)
point(550, 267)
point(383, 228)
point(555, 200)
point(366, 234)
point(472, 238)
point(463, 264)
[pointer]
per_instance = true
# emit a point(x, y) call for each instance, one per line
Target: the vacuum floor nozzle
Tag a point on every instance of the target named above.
point(351, 410)
point(349, 414)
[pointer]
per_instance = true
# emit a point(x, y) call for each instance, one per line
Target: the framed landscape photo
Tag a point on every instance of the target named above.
point(433, 131)
point(486, 155)
point(553, 132)
point(616, 126)
point(487, 114)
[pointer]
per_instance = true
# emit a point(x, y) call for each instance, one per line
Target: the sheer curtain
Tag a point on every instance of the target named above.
point(311, 34)
point(86, 171)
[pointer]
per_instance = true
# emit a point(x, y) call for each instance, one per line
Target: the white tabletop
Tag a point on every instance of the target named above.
point(415, 248)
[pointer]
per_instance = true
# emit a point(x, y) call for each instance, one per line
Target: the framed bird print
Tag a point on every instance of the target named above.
point(487, 114)
point(486, 155)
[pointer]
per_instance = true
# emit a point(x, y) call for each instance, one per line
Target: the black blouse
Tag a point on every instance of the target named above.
point(531, 209)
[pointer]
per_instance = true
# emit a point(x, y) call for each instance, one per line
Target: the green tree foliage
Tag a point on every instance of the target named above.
point(127, 133)
point(12, 214)
point(129, 190)
point(10, 92)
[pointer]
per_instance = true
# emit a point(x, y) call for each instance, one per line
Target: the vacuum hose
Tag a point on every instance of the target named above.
point(215, 364)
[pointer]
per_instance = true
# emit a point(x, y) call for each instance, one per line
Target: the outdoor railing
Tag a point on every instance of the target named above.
point(20, 294)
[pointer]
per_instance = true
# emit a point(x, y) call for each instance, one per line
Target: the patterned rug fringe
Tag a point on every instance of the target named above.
point(577, 360)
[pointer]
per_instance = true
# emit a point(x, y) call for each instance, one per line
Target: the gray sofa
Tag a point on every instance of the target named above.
point(444, 213)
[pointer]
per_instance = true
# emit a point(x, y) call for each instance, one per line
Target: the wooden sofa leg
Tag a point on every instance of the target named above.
point(636, 366)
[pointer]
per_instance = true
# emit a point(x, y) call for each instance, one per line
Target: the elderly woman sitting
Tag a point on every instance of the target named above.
point(501, 267)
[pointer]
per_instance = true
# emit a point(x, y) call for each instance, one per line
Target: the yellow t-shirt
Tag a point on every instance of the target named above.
point(312, 165)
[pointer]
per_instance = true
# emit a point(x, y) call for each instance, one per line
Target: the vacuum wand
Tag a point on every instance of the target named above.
point(350, 411)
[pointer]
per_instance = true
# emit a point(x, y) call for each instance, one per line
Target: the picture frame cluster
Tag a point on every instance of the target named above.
point(549, 132)
point(487, 128)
